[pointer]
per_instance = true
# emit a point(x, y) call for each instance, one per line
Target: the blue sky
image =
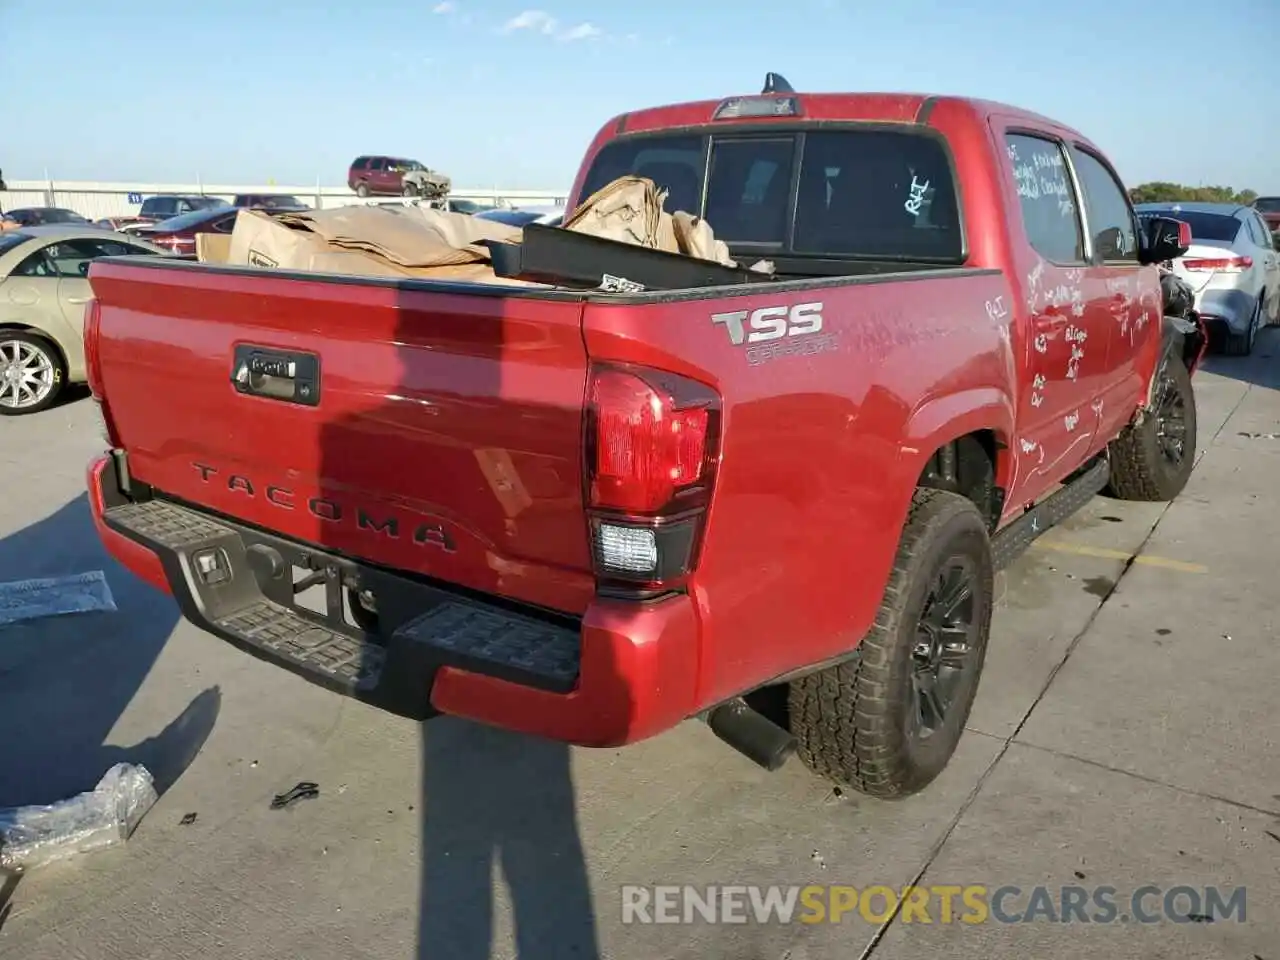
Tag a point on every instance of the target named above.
point(508, 94)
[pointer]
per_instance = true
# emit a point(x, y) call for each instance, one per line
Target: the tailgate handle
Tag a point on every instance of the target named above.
point(284, 375)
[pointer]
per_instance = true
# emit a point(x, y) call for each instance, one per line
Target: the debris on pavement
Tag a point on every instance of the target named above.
point(188, 819)
point(103, 817)
point(55, 596)
point(303, 791)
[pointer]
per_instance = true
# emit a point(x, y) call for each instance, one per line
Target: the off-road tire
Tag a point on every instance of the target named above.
point(362, 190)
point(45, 347)
point(850, 720)
point(1139, 471)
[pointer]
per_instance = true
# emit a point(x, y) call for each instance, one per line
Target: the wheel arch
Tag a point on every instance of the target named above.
point(20, 327)
point(962, 443)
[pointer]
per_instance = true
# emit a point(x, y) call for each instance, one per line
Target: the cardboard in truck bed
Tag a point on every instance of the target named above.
point(265, 241)
point(213, 247)
point(259, 240)
point(408, 236)
point(416, 241)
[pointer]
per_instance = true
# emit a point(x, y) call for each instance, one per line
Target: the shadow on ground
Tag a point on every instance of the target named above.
point(65, 681)
point(1261, 368)
point(428, 420)
point(493, 799)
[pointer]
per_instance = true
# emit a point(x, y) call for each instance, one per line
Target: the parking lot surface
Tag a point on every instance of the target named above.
point(1125, 736)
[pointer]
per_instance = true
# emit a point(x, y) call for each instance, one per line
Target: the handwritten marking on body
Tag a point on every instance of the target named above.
point(1076, 337)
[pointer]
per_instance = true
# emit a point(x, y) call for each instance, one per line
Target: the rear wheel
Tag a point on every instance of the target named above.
point(887, 721)
point(1241, 344)
point(32, 373)
point(1153, 460)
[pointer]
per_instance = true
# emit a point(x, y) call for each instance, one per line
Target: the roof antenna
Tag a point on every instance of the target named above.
point(776, 83)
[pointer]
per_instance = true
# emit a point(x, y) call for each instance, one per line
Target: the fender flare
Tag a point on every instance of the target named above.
point(941, 419)
point(1183, 340)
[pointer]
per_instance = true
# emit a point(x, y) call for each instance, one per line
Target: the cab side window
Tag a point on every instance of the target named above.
point(1111, 221)
point(1046, 198)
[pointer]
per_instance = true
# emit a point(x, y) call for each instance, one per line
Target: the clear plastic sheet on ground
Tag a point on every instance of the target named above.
point(103, 817)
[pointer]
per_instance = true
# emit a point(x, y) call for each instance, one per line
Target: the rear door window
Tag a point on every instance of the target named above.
point(1045, 198)
point(1112, 225)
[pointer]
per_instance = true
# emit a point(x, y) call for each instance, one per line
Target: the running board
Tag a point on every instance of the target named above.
point(1013, 540)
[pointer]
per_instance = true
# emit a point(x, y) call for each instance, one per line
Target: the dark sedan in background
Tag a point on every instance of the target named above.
point(178, 234)
point(43, 217)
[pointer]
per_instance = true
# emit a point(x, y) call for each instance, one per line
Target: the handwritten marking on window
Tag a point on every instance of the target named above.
point(1044, 177)
point(916, 200)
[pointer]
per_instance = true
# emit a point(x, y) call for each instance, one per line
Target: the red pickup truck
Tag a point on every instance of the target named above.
point(591, 514)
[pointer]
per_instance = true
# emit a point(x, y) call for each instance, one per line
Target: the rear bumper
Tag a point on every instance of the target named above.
point(1231, 308)
point(624, 672)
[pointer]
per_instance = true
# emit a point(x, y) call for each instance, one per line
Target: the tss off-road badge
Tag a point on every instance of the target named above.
point(771, 332)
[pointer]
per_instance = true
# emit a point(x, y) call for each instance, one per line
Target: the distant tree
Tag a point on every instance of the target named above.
point(1162, 191)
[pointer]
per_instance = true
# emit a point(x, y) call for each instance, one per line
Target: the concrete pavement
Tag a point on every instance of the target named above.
point(1124, 736)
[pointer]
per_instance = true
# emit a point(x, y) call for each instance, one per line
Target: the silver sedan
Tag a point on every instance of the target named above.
point(43, 290)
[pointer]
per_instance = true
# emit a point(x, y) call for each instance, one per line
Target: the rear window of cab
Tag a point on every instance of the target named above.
point(866, 193)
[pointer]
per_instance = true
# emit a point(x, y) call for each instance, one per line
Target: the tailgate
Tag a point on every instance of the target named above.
point(440, 432)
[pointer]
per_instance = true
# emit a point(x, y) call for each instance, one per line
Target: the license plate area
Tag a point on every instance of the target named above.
point(317, 586)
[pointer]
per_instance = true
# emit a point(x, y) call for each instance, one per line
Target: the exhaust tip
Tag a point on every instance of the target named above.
point(752, 734)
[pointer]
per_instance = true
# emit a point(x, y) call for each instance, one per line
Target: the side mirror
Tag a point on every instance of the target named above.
point(1167, 239)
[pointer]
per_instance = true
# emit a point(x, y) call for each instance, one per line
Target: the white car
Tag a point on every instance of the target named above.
point(1232, 266)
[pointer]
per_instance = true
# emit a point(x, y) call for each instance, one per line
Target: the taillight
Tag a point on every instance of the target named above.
point(652, 448)
point(92, 323)
point(175, 244)
point(1221, 265)
point(93, 368)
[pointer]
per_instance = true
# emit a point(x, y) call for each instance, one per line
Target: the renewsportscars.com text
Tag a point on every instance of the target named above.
point(936, 904)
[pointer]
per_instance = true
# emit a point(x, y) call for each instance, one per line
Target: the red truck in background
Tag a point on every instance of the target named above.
point(591, 515)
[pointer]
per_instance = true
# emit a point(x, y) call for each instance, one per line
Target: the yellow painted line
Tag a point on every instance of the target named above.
point(1145, 559)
